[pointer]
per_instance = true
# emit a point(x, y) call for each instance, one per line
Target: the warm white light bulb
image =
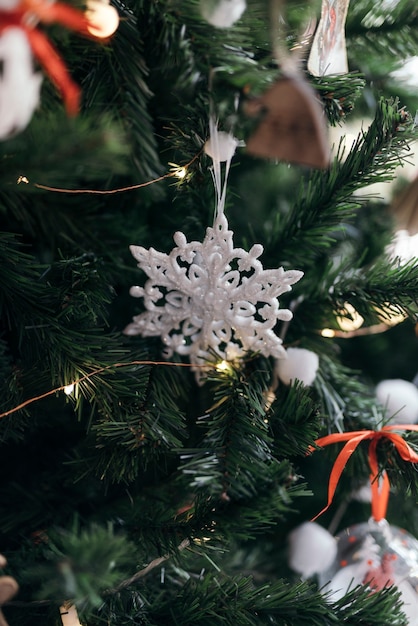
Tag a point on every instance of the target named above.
point(68, 389)
point(223, 366)
point(103, 18)
point(181, 172)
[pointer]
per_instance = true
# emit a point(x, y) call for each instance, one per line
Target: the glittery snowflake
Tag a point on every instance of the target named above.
point(209, 298)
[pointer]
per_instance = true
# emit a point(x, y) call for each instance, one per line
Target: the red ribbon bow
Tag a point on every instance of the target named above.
point(380, 493)
point(27, 14)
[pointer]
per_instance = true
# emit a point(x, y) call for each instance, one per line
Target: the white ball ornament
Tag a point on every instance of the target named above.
point(312, 549)
point(400, 400)
point(222, 13)
point(300, 364)
point(19, 84)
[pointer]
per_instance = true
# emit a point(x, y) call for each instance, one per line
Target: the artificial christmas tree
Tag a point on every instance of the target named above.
point(154, 487)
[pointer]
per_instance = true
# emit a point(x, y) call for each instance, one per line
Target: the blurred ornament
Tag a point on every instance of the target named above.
point(291, 122)
point(103, 19)
point(209, 298)
point(403, 247)
point(26, 15)
point(400, 400)
point(329, 51)
point(292, 127)
point(312, 549)
point(19, 83)
point(405, 209)
point(299, 364)
point(376, 555)
point(222, 13)
point(69, 615)
point(8, 589)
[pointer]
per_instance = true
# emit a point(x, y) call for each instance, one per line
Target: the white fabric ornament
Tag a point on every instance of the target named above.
point(312, 549)
point(209, 297)
point(222, 13)
point(298, 364)
point(221, 147)
point(19, 85)
point(400, 400)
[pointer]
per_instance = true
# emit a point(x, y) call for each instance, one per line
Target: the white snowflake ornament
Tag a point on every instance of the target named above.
point(209, 300)
point(19, 84)
point(218, 299)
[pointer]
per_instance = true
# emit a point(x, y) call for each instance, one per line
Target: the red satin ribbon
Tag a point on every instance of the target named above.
point(380, 493)
point(39, 10)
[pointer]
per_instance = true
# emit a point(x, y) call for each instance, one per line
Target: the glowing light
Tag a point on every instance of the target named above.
point(328, 332)
point(390, 315)
point(223, 366)
point(349, 319)
point(68, 389)
point(179, 171)
point(103, 18)
point(22, 179)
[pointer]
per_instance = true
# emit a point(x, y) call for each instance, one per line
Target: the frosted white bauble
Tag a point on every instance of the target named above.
point(400, 399)
point(221, 146)
point(300, 364)
point(19, 85)
point(312, 549)
point(222, 13)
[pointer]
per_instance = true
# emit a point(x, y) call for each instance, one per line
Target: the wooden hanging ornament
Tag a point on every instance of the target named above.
point(405, 208)
point(329, 51)
point(292, 125)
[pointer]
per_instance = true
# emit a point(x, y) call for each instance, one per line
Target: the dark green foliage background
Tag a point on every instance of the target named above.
point(140, 462)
